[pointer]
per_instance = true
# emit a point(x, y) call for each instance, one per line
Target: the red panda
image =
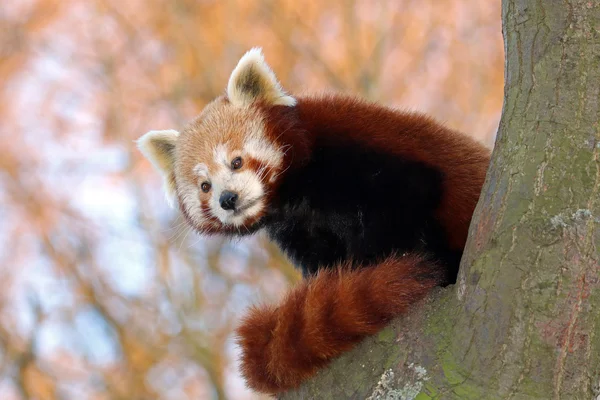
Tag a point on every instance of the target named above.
point(371, 203)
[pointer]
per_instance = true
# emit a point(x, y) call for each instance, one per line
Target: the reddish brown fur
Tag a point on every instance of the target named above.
point(342, 119)
point(325, 316)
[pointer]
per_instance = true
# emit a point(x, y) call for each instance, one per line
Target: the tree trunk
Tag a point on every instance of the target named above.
point(523, 321)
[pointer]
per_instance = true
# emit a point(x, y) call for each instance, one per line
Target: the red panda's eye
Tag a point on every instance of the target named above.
point(205, 187)
point(237, 163)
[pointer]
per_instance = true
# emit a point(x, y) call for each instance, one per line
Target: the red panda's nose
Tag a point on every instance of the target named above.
point(228, 200)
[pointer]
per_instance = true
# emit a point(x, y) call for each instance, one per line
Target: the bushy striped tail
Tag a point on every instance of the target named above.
point(327, 315)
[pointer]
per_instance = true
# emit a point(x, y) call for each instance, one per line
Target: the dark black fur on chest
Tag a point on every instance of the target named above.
point(349, 204)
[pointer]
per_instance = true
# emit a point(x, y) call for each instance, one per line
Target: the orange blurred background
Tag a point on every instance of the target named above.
point(105, 293)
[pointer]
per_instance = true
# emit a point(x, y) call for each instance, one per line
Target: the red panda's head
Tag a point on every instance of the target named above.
point(221, 168)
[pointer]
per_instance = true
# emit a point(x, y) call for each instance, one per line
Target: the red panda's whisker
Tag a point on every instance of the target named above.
point(179, 225)
point(178, 234)
point(279, 173)
point(282, 133)
point(183, 240)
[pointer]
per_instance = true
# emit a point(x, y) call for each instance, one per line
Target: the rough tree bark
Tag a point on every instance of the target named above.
point(523, 321)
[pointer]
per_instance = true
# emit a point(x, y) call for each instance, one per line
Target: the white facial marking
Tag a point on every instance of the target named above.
point(264, 151)
point(220, 154)
point(201, 170)
point(249, 189)
point(246, 183)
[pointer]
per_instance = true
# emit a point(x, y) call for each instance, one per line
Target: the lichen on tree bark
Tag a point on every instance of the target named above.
point(522, 320)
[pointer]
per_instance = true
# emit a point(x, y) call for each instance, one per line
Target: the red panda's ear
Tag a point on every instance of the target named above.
point(159, 148)
point(252, 80)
